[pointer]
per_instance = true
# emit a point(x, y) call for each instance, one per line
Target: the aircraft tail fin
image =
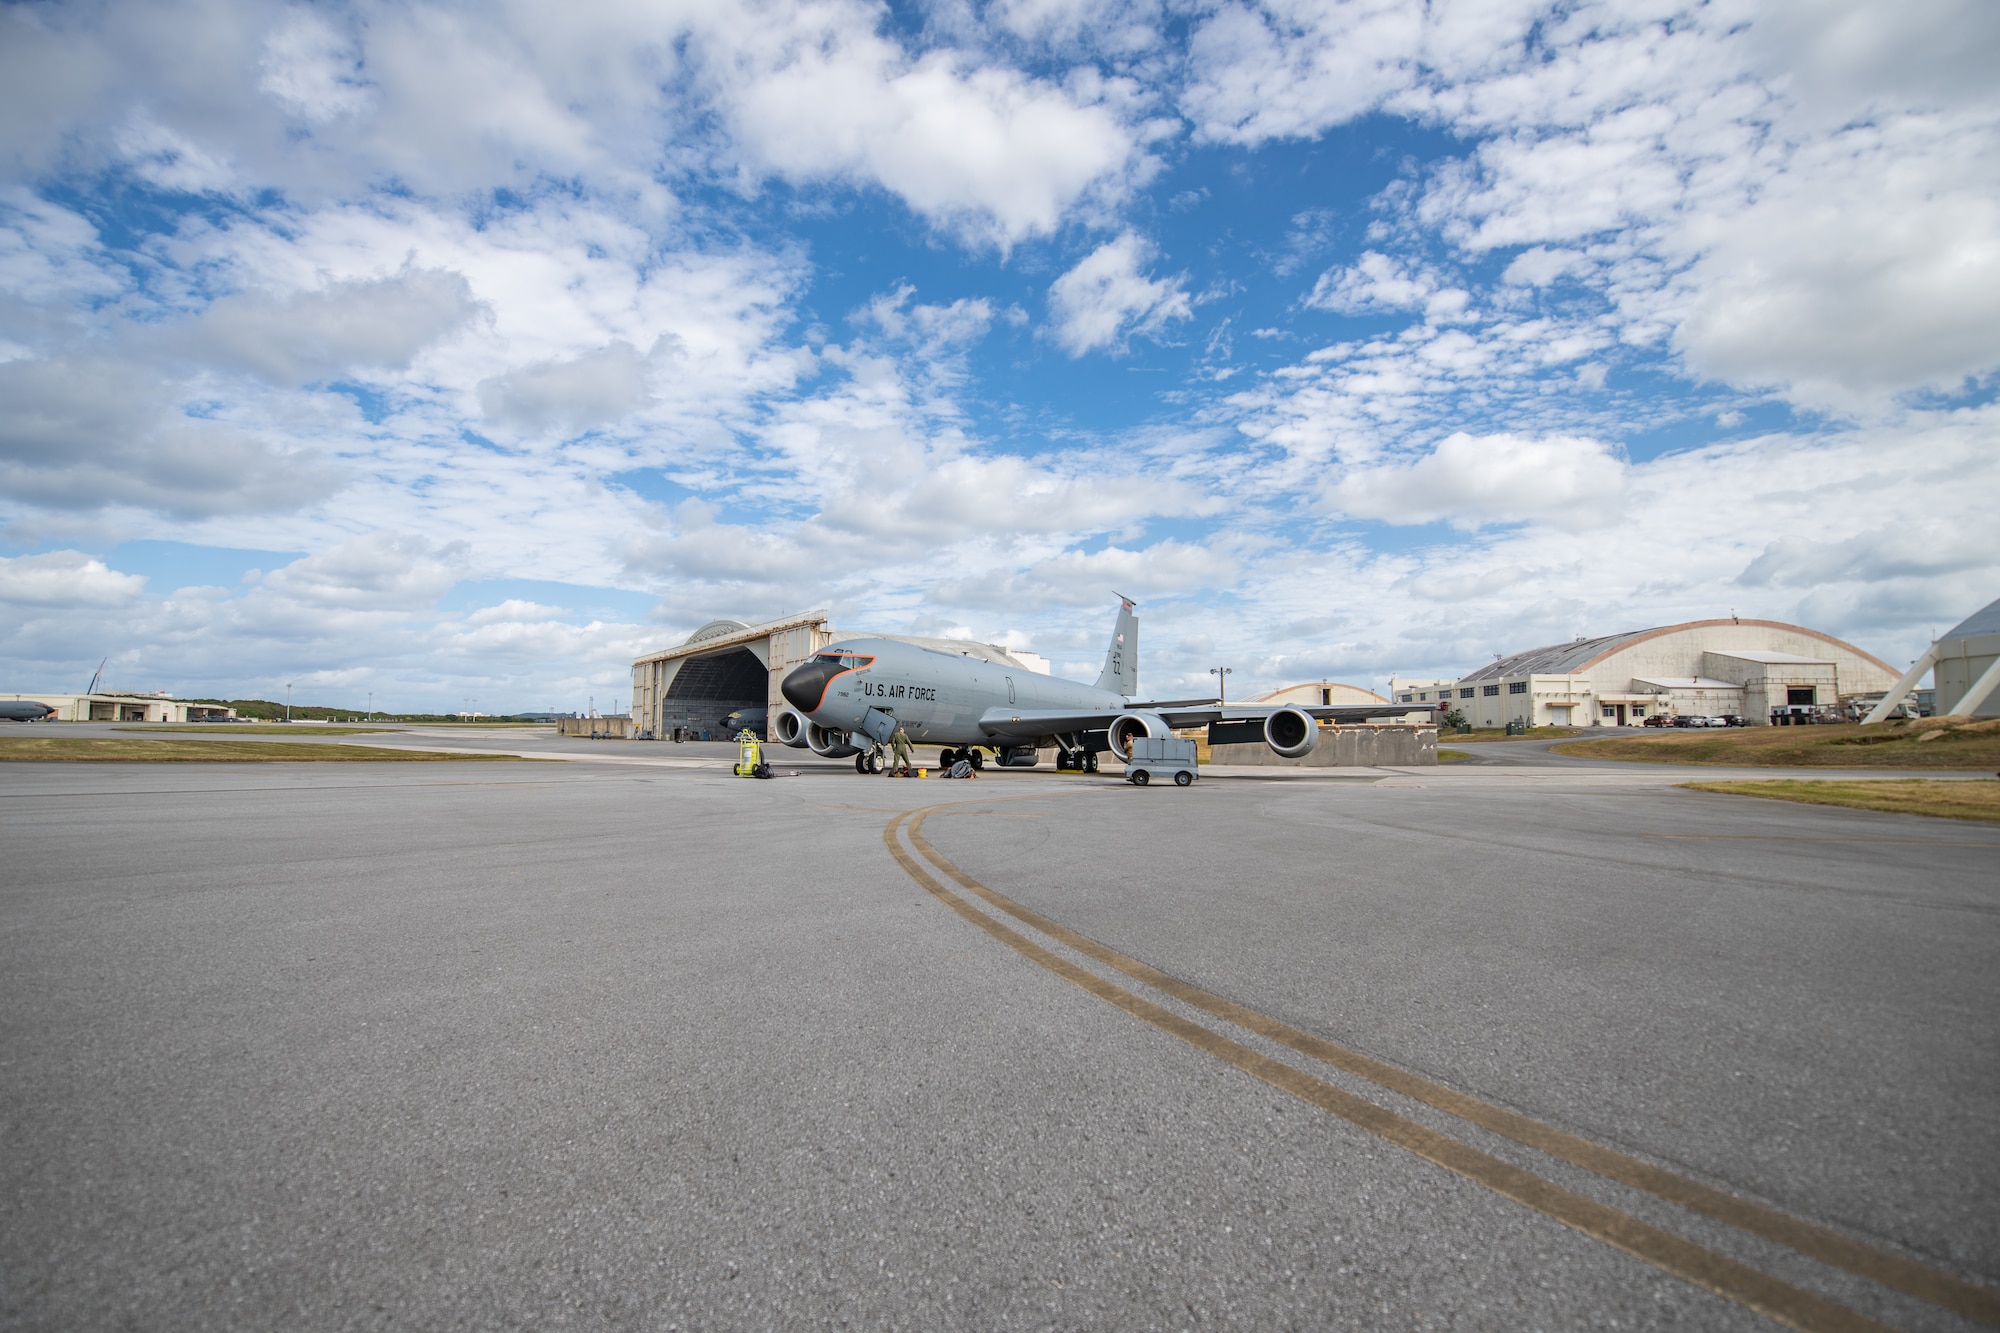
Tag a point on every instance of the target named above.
point(1121, 659)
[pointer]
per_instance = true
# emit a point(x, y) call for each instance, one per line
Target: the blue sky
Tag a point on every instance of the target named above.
point(444, 351)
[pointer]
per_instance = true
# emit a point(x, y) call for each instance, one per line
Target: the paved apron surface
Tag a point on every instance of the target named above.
point(610, 1045)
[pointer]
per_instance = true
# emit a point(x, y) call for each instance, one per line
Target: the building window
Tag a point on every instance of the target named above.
point(1425, 696)
point(1517, 687)
point(1489, 690)
point(1465, 692)
point(1638, 710)
point(1409, 698)
point(1608, 711)
point(1807, 696)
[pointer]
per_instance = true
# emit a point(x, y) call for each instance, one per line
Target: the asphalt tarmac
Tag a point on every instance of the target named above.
point(623, 1041)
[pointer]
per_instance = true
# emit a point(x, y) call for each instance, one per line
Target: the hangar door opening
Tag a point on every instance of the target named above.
point(707, 689)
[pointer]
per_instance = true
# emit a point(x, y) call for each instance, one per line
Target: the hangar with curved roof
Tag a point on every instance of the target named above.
point(1754, 669)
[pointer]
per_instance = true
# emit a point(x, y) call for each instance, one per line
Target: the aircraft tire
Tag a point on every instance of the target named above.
point(1183, 778)
point(978, 758)
point(946, 758)
point(874, 764)
point(860, 763)
point(1090, 763)
point(1142, 777)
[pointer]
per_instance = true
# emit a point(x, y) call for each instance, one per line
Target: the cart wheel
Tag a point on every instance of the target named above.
point(1183, 778)
point(1142, 777)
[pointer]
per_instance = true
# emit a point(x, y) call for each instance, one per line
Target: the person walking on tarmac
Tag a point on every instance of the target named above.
point(899, 746)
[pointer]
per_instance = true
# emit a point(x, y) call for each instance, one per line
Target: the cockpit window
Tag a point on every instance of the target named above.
point(848, 661)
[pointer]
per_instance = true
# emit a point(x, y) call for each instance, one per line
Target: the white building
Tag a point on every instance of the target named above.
point(1715, 668)
point(1319, 692)
point(115, 706)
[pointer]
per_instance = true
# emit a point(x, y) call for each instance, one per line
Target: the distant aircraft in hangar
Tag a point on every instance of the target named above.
point(851, 696)
point(24, 710)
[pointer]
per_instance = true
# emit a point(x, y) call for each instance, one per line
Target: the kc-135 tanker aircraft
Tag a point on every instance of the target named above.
point(852, 695)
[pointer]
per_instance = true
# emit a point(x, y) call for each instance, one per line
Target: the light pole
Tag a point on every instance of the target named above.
point(371, 705)
point(1221, 675)
point(288, 701)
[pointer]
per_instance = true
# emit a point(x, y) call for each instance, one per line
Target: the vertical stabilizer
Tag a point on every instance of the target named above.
point(1121, 659)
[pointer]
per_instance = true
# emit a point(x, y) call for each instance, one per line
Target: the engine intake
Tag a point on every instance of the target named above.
point(790, 729)
point(828, 744)
point(1130, 726)
point(1291, 733)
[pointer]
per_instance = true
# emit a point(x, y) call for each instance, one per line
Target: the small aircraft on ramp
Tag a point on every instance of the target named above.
point(852, 695)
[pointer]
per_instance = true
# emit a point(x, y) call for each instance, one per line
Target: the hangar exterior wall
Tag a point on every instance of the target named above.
point(1743, 667)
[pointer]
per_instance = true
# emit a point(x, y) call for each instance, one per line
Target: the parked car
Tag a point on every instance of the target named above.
point(1661, 720)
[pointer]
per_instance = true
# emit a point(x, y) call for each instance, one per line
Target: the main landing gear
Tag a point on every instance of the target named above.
point(1080, 761)
point(977, 758)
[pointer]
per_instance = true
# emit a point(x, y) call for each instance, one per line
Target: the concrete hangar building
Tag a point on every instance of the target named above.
point(726, 666)
point(1711, 668)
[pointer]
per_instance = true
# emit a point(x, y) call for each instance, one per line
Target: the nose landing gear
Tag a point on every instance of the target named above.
point(871, 762)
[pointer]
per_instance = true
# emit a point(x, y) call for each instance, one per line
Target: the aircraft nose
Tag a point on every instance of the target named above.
point(805, 688)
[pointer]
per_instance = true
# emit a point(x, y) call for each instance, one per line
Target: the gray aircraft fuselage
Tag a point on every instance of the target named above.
point(937, 697)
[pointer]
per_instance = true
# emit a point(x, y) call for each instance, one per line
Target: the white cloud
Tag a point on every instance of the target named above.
point(585, 391)
point(383, 571)
point(1377, 283)
point(379, 323)
point(1105, 299)
point(1472, 481)
point(65, 578)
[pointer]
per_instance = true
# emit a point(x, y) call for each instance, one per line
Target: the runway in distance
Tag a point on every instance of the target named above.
point(852, 695)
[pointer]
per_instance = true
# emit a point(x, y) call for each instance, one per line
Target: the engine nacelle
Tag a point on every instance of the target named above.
point(790, 729)
point(828, 744)
point(1130, 726)
point(1291, 733)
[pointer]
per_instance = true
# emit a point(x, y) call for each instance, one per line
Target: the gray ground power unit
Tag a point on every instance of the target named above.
point(1161, 757)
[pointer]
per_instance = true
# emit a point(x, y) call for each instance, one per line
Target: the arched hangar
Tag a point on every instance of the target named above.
point(1759, 670)
point(728, 667)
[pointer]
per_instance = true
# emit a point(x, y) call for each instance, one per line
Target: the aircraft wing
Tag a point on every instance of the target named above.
point(1038, 722)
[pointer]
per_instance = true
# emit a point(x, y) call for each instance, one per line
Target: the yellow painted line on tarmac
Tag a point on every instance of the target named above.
point(1724, 1276)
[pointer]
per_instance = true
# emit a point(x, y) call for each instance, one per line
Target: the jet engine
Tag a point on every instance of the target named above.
point(1130, 726)
point(828, 744)
point(1290, 732)
point(790, 729)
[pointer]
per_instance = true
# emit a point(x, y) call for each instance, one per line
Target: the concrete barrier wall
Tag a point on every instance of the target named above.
point(1343, 747)
point(619, 727)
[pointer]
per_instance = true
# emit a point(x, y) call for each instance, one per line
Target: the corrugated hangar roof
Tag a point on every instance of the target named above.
point(1986, 620)
point(1558, 659)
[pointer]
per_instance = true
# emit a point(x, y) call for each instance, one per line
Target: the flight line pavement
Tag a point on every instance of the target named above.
point(608, 1045)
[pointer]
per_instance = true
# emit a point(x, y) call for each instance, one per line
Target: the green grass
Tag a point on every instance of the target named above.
point(1955, 745)
point(1452, 756)
point(1942, 800)
point(1500, 734)
point(121, 750)
point(257, 729)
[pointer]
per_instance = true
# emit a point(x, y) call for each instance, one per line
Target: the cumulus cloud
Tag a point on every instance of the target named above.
point(1379, 283)
point(386, 571)
point(580, 393)
point(88, 434)
point(1105, 299)
point(1472, 481)
point(65, 578)
point(379, 323)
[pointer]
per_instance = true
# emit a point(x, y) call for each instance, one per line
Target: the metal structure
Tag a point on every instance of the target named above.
point(719, 669)
point(1967, 663)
